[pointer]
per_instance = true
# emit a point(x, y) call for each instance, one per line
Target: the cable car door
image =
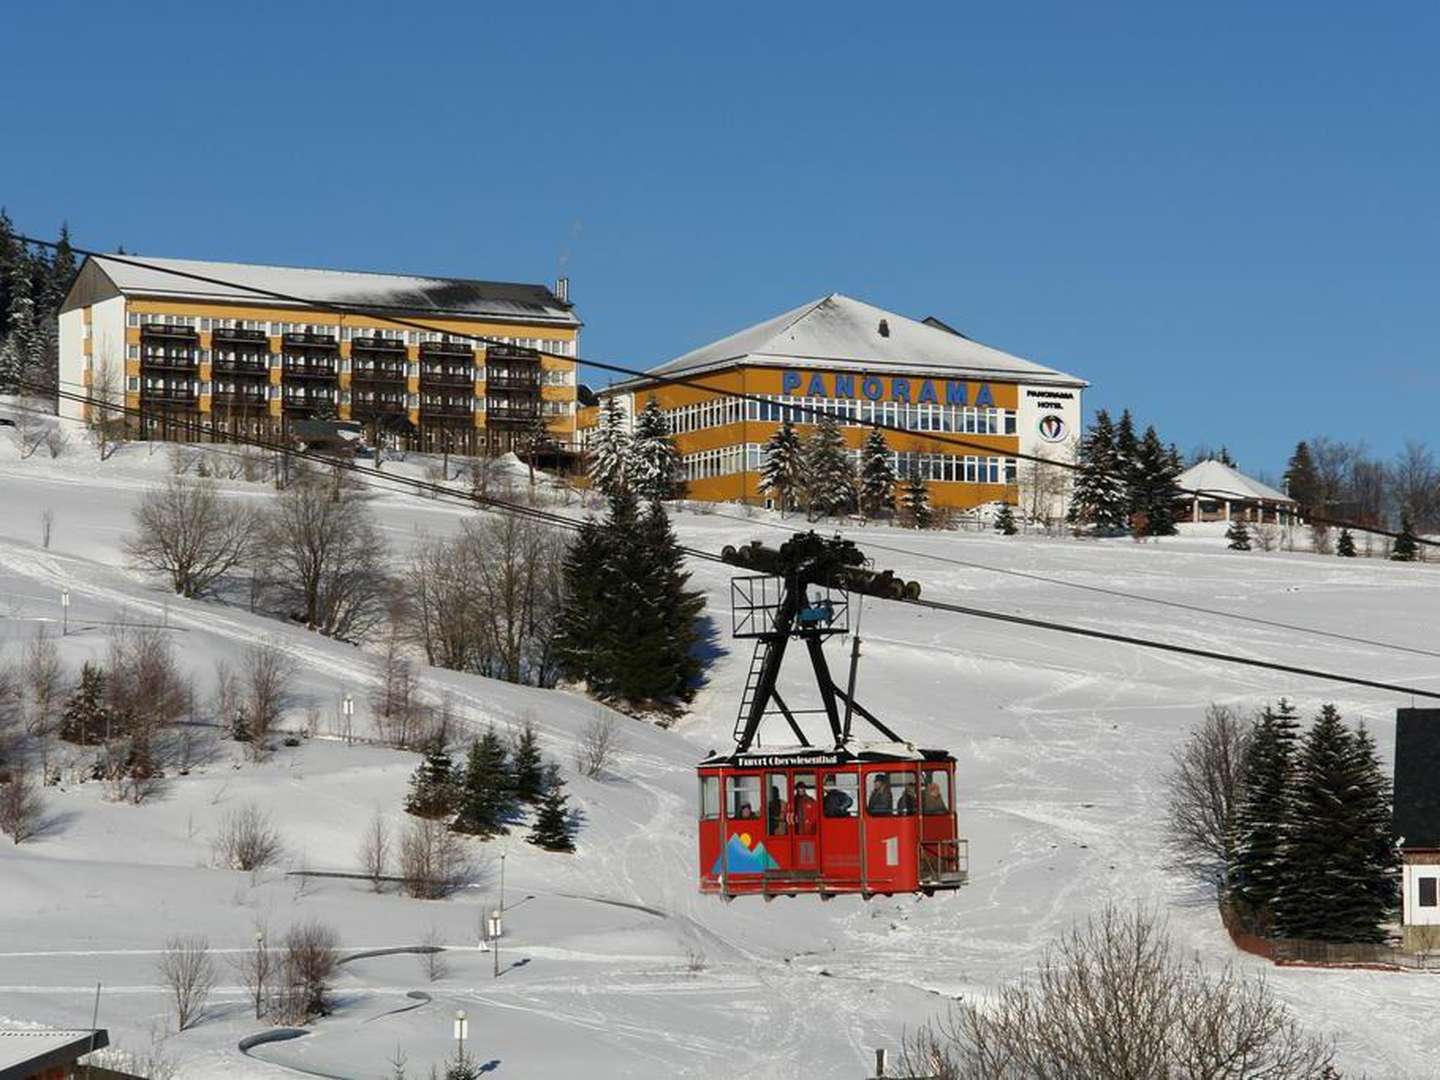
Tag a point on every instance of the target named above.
point(778, 839)
point(804, 824)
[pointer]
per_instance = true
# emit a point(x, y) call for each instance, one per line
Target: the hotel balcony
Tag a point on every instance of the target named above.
point(457, 375)
point(244, 397)
point(161, 362)
point(240, 365)
point(447, 348)
point(154, 329)
point(378, 344)
point(168, 394)
point(236, 334)
point(363, 374)
point(306, 369)
point(506, 413)
point(513, 380)
point(447, 407)
point(310, 341)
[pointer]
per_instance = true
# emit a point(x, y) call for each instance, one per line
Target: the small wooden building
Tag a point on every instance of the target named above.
point(1217, 492)
point(46, 1053)
point(1417, 825)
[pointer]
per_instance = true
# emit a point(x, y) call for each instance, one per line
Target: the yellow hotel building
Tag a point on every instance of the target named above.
point(190, 354)
point(863, 365)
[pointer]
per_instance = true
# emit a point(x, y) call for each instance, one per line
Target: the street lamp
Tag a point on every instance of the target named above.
point(65, 612)
point(462, 1029)
point(347, 710)
point(495, 940)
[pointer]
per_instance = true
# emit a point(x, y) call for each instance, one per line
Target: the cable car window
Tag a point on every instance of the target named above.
point(777, 806)
point(935, 798)
point(890, 793)
point(804, 812)
point(709, 797)
point(840, 791)
point(744, 797)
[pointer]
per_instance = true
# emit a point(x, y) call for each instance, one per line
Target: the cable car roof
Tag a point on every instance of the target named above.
point(799, 757)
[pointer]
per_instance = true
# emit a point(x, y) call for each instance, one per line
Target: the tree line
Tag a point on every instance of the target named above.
point(1337, 479)
point(32, 287)
point(1293, 831)
point(1124, 483)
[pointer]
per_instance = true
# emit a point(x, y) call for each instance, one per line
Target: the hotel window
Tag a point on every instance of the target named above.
point(1427, 891)
point(1009, 421)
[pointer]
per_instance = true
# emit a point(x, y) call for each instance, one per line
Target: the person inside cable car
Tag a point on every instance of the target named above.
point(775, 811)
point(745, 811)
point(906, 803)
point(804, 809)
point(882, 800)
point(837, 802)
point(933, 801)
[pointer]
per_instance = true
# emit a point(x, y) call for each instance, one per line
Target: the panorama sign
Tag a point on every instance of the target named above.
point(877, 388)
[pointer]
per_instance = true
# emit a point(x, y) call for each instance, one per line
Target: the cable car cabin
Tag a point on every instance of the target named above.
point(856, 817)
point(878, 820)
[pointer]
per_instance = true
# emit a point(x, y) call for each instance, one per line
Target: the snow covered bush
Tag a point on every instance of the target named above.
point(1117, 998)
point(21, 805)
point(310, 960)
point(433, 860)
point(247, 839)
point(188, 972)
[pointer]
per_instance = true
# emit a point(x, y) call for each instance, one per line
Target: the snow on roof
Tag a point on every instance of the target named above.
point(840, 331)
point(1216, 478)
point(24, 1050)
point(400, 292)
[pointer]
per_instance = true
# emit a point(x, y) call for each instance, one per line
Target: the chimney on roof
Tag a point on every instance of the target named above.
point(884, 327)
point(562, 289)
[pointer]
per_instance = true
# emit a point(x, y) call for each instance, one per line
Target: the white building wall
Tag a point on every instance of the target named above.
point(1412, 913)
point(107, 346)
point(1048, 421)
point(72, 362)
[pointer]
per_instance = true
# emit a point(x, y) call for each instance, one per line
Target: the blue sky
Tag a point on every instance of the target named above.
point(1224, 216)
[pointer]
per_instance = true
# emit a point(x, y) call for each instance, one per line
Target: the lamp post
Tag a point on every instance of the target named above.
point(347, 711)
point(261, 972)
point(495, 940)
point(65, 612)
point(462, 1029)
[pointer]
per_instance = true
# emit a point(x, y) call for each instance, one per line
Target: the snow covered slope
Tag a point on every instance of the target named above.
point(611, 959)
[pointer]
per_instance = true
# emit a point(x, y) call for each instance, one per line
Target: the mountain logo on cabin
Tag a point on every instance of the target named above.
point(740, 858)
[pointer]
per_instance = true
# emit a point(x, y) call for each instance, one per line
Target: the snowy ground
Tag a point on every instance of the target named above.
point(611, 960)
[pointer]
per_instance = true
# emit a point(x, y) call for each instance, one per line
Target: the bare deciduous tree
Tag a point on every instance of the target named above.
point(310, 960)
point(44, 676)
point(247, 839)
point(597, 745)
point(395, 705)
point(266, 690)
point(375, 851)
point(433, 964)
point(433, 860)
point(1206, 783)
point(327, 561)
point(189, 975)
point(21, 806)
point(1115, 998)
point(29, 431)
point(188, 532)
point(256, 967)
point(107, 393)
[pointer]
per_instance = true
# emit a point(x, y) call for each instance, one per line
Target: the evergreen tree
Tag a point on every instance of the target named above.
point(1326, 889)
point(1377, 856)
point(1345, 546)
point(1225, 459)
point(486, 792)
point(1153, 487)
point(829, 470)
point(21, 351)
point(9, 257)
point(877, 475)
point(527, 767)
point(584, 614)
point(553, 829)
point(83, 721)
point(1127, 460)
point(610, 453)
point(1239, 535)
point(1254, 877)
point(782, 472)
point(432, 786)
point(1302, 482)
point(915, 502)
point(629, 630)
point(1100, 498)
point(1005, 520)
point(1404, 549)
point(61, 272)
point(654, 465)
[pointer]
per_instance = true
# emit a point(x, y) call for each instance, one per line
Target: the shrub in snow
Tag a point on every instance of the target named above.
point(1345, 546)
point(21, 805)
point(1239, 535)
point(433, 860)
point(247, 839)
point(188, 973)
point(1005, 520)
point(1404, 549)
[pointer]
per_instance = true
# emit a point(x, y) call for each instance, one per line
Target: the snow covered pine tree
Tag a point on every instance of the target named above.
point(553, 829)
point(877, 475)
point(1239, 535)
point(782, 472)
point(1100, 499)
point(829, 470)
point(915, 503)
point(654, 465)
point(1404, 549)
point(610, 453)
point(1005, 520)
point(1345, 546)
point(1269, 765)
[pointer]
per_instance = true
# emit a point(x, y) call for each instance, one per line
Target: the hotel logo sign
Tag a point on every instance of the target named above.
point(1052, 428)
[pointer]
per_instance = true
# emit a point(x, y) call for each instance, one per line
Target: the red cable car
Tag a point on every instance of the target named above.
point(861, 817)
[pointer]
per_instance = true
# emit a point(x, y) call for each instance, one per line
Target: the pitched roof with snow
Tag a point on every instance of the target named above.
point(251, 283)
point(27, 1052)
point(838, 331)
point(1220, 480)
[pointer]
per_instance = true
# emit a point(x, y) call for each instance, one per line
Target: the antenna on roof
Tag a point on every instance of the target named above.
point(884, 327)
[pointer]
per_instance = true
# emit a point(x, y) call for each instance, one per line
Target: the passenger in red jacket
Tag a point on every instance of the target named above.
point(805, 809)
